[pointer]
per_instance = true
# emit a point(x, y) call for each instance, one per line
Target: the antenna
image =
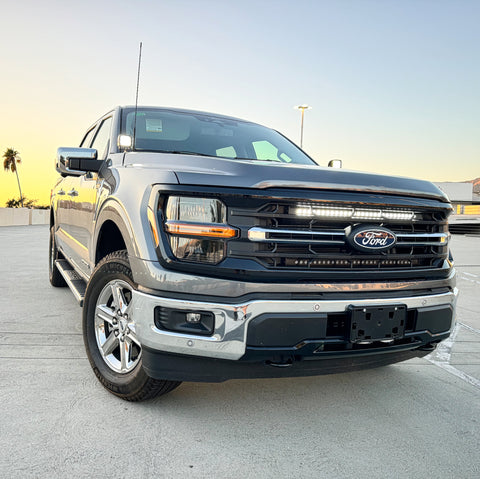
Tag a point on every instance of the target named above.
point(136, 96)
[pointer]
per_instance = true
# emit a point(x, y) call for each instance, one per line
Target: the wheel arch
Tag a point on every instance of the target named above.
point(112, 233)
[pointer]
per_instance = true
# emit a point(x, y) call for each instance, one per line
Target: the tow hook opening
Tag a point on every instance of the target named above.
point(428, 347)
point(280, 364)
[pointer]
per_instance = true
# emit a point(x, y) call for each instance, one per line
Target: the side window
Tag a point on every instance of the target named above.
point(101, 141)
point(87, 139)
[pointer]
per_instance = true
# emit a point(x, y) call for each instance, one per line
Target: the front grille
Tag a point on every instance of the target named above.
point(288, 236)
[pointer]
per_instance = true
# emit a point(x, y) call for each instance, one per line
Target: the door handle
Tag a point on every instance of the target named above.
point(73, 192)
point(60, 192)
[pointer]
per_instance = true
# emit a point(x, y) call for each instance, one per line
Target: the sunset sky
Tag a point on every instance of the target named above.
point(394, 85)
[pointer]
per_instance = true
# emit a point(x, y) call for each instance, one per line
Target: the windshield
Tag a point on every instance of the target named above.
point(204, 134)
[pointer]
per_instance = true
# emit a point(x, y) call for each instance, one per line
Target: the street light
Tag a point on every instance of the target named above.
point(302, 108)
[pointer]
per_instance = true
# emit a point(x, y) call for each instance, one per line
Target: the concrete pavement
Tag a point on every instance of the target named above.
point(415, 419)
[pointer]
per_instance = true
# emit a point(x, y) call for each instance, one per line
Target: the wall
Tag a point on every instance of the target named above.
point(23, 216)
point(457, 192)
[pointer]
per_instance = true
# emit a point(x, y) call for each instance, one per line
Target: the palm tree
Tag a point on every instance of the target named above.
point(10, 161)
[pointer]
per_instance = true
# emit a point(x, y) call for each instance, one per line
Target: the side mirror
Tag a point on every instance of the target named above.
point(335, 163)
point(77, 161)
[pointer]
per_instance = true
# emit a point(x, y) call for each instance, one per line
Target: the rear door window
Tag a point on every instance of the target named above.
point(101, 141)
point(87, 139)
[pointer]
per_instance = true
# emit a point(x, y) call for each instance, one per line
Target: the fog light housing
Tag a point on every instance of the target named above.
point(183, 321)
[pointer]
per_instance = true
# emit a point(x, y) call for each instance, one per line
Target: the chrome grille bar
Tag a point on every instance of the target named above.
point(264, 235)
point(426, 239)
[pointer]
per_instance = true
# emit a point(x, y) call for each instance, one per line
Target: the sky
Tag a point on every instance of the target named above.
point(394, 85)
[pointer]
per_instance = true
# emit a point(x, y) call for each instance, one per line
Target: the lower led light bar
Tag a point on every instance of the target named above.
point(351, 212)
point(348, 263)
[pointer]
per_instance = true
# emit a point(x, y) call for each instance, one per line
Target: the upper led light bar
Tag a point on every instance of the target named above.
point(307, 210)
point(351, 212)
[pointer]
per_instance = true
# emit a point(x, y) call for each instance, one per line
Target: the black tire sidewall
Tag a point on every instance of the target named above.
point(55, 277)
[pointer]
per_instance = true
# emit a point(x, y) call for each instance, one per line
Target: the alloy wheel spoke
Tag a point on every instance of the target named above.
point(132, 336)
point(125, 349)
point(128, 310)
point(110, 344)
point(105, 313)
point(118, 298)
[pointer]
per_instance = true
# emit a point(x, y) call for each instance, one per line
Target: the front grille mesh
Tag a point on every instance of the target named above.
point(279, 236)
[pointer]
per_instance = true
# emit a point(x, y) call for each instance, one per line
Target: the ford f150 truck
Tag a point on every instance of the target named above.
point(204, 248)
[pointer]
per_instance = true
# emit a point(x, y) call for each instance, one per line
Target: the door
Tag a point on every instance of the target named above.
point(62, 203)
point(84, 194)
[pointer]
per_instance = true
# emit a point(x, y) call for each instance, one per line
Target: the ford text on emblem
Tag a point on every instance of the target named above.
point(372, 239)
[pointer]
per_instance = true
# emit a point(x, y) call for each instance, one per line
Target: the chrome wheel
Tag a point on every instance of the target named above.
point(115, 327)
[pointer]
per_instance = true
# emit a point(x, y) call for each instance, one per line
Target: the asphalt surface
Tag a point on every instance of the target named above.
point(416, 419)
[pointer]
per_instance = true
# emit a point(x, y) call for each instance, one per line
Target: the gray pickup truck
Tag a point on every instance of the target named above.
point(204, 248)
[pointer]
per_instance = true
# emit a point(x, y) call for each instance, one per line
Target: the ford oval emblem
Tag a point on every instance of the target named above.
point(372, 239)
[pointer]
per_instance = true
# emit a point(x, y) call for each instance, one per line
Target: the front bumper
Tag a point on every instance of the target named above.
point(231, 334)
point(201, 369)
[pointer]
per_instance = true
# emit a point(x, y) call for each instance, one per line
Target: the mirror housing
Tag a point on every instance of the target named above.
point(77, 161)
point(335, 164)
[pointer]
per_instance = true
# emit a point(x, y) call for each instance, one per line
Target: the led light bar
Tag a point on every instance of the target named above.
point(351, 212)
point(307, 210)
point(348, 263)
point(398, 215)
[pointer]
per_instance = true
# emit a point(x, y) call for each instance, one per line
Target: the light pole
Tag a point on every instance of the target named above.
point(302, 108)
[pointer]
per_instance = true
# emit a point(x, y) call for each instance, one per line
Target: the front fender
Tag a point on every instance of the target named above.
point(132, 224)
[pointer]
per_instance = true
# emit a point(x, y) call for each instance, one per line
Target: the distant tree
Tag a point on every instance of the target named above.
point(10, 160)
point(13, 203)
point(28, 203)
point(25, 203)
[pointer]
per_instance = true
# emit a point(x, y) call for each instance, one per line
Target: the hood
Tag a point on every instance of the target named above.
point(211, 171)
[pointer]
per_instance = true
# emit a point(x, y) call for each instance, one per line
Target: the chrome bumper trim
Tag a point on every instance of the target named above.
point(231, 321)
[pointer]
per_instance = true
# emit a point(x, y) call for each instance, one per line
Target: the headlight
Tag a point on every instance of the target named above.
point(197, 229)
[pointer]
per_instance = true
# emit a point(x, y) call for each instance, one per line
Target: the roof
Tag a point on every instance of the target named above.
point(191, 112)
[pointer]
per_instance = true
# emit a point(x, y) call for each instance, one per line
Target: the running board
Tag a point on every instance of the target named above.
point(74, 281)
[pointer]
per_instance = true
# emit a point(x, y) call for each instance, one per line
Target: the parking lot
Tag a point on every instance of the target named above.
point(420, 418)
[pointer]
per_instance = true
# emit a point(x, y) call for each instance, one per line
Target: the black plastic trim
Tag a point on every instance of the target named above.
point(285, 296)
point(175, 367)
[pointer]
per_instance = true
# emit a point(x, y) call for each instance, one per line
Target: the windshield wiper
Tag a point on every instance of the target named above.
point(179, 152)
point(257, 159)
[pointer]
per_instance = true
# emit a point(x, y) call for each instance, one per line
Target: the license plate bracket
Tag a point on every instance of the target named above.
point(377, 323)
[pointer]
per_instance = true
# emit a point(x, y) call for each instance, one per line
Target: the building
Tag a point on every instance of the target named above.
point(463, 197)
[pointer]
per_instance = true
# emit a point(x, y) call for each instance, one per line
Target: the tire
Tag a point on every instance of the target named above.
point(113, 349)
point(56, 279)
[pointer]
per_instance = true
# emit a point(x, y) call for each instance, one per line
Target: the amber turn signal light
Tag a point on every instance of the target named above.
point(195, 229)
